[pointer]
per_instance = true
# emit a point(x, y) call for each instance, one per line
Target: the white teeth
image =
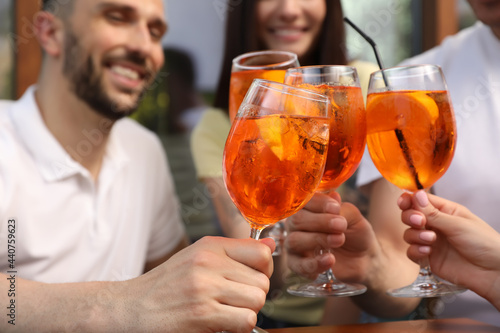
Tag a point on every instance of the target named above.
point(127, 72)
point(287, 32)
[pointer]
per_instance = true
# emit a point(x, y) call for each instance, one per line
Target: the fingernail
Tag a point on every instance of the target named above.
point(416, 220)
point(427, 236)
point(332, 207)
point(400, 200)
point(422, 198)
point(424, 249)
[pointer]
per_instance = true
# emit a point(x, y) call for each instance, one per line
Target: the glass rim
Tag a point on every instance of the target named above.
point(293, 58)
point(315, 96)
point(331, 75)
point(298, 68)
point(437, 68)
point(397, 73)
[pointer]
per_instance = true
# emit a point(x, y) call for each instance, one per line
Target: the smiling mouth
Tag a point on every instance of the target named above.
point(126, 72)
point(288, 32)
point(130, 75)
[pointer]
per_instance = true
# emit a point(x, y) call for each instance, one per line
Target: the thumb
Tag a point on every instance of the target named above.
point(351, 214)
point(335, 195)
point(435, 217)
point(269, 242)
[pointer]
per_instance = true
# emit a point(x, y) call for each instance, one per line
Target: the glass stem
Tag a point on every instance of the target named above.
point(329, 276)
point(425, 274)
point(425, 266)
point(425, 279)
point(255, 233)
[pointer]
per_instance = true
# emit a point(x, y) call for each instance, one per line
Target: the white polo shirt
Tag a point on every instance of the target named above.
point(68, 227)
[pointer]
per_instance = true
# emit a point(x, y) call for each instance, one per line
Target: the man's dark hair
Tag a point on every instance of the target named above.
point(57, 7)
point(48, 4)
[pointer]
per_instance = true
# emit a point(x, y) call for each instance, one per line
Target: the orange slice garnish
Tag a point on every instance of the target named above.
point(392, 110)
point(271, 130)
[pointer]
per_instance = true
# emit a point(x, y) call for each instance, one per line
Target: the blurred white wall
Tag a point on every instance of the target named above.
point(197, 26)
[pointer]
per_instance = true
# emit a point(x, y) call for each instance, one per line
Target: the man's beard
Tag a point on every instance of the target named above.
point(87, 83)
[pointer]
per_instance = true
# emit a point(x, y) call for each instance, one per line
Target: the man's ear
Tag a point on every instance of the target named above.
point(49, 32)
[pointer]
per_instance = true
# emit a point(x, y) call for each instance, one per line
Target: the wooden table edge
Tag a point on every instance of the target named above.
point(450, 325)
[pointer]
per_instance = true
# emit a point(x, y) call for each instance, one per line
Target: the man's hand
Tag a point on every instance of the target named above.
point(213, 285)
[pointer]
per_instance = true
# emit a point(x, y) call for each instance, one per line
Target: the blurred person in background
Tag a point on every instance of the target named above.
point(184, 107)
point(185, 102)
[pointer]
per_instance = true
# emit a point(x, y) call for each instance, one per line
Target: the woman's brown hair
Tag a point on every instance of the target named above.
point(241, 37)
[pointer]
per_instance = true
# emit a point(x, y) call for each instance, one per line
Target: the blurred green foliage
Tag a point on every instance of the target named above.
point(153, 108)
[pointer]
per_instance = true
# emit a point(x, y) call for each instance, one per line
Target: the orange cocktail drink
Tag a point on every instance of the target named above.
point(411, 133)
point(275, 152)
point(347, 133)
point(287, 157)
point(267, 65)
point(241, 81)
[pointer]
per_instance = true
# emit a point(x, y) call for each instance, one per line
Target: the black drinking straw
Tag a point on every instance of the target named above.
point(399, 133)
point(371, 42)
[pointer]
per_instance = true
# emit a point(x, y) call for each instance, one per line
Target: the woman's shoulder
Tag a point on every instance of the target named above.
point(214, 116)
point(365, 67)
point(213, 119)
point(213, 127)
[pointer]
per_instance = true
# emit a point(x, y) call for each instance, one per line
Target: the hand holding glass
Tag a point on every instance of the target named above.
point(275, 152)
point(411, 139)
point(345, 149)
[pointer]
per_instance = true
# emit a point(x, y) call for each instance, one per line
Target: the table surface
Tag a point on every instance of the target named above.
point(461, 325)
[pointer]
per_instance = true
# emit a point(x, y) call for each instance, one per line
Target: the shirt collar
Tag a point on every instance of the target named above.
point(52, 159)
point(116, 154)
